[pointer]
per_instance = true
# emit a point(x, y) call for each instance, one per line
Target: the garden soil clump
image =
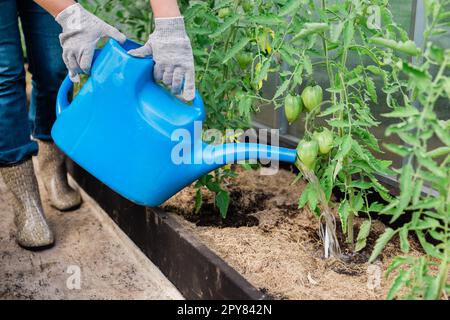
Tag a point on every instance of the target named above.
point(277, 247)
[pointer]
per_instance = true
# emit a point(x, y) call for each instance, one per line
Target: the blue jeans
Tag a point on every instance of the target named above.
point(44, 53)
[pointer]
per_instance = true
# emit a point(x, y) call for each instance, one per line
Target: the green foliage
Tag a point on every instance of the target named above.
point(416, 124)
point(132, 17)
point(213, 182)
point(336, 32)
point(229, 83)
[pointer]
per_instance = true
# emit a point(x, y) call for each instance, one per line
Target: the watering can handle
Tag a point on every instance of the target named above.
point(62, 101)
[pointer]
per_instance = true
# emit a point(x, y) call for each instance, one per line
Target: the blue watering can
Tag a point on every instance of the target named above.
point(120, 129)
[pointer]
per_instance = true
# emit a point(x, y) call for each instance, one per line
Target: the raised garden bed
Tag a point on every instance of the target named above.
point(266, 248)
point(276, 246)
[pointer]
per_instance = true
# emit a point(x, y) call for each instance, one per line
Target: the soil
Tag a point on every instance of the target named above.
point(239, 214)
point(110, 265)
point(276, 246)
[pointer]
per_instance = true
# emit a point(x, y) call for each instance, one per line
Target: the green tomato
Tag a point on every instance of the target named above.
point(292, 107)
point(307, 153)
point(325, 140)
point(224, 12)
point(312, 97)
point(244, 60)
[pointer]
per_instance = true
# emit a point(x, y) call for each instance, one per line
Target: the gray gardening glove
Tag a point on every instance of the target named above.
point(172, 52)
point(81, 31)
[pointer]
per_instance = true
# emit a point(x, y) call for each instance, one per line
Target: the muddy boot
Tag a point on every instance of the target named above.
point(52, 169)
point(33, 231)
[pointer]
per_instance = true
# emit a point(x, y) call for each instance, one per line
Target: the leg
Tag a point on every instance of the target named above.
point(16, 147)
point(48, 70)
point(44, 52)
point(15, 142)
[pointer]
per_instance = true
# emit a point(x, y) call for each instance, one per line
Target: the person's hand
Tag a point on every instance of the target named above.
point(81, 31)
point(172, 52)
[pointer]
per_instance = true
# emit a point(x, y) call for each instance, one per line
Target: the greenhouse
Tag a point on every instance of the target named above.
point(256, 150)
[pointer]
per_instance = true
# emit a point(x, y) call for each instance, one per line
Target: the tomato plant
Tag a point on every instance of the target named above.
point(326, 38)
point(213, 182)
point(306, 37)
point(420, 88)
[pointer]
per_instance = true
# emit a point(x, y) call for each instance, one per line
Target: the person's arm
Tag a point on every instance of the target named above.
point(165, 8)
point(171, 49)
point(81, 31)
point(54, 7)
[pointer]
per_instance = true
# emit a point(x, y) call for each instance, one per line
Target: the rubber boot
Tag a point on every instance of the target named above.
point(33, 231)
point(52, 169)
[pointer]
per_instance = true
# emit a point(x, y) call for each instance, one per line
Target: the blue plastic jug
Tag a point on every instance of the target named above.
point(119, 128)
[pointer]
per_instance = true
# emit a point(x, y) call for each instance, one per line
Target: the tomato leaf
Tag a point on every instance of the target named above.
point(371, 89)
point(305, 196)
point(400, 150)
point(225, 26)
point(404, 243)
point(268, 19)
point(349, 32)
point(291, 7)
point(381, 243)
point(428, 247)
point(282, 89)
point(309, 29)
point(406, 191)
point(222, 201)
point(364, 231)
point(404, 112)
point(336, 31)
point(397, 284)
point(235, 49)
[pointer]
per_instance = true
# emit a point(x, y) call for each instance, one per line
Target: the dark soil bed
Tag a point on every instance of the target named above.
point(276, 246)
point(240, 214)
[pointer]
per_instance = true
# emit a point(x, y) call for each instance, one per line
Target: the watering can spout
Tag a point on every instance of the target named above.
point(233, 152)
point(212, 157)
